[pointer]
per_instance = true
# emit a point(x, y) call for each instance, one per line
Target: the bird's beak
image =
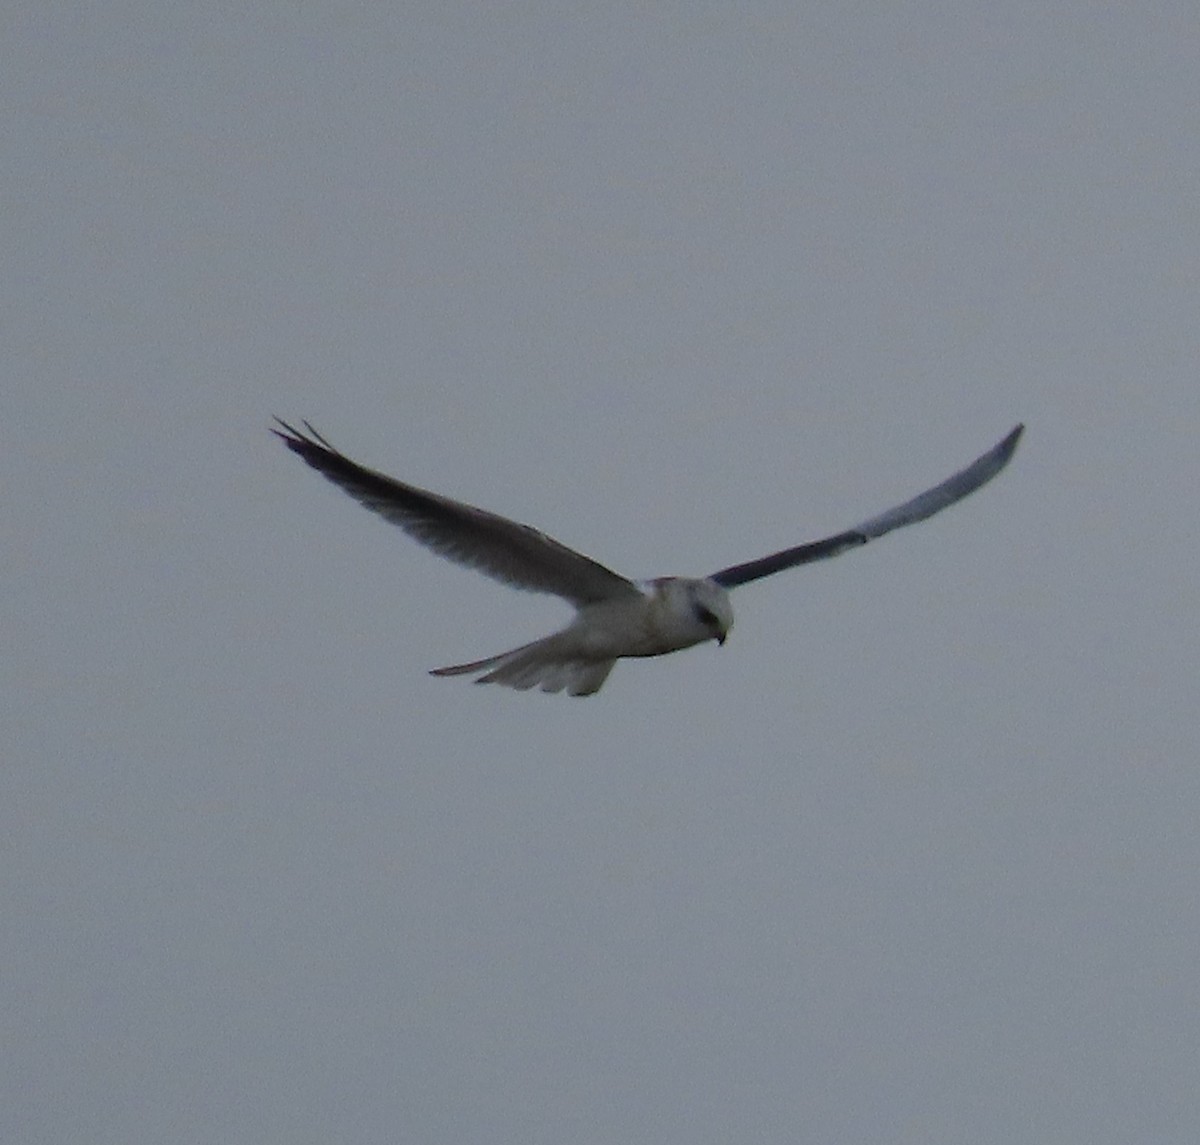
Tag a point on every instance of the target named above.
point(720, 639)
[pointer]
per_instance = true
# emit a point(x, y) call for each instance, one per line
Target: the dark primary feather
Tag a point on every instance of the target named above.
point(516, 554)
point(934, 500)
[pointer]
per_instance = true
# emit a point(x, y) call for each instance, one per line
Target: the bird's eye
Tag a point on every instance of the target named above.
point(706, 617)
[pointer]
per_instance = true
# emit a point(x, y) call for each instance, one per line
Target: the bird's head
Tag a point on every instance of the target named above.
point(709, 604)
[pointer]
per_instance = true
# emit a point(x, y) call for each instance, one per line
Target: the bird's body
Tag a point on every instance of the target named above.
point(580, 657)
point(615, 617)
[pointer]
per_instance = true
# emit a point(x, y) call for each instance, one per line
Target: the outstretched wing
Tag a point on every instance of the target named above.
point(934, 500)
point(516, 554)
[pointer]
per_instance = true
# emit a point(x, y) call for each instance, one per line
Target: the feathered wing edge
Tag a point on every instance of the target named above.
point(508, 551)
point(551, 664)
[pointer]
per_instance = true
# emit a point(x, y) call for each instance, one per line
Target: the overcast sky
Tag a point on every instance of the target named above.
point(913, 858)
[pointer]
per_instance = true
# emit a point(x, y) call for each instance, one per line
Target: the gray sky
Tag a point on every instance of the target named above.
point(912, 859)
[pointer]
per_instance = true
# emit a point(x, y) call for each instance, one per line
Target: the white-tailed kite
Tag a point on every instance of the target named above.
point(615, 616)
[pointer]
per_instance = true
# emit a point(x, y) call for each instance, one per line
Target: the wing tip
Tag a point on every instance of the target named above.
point(306, 442)
point(285, 432)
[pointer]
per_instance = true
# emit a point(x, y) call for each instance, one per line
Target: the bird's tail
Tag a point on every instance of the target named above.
point(551, 664)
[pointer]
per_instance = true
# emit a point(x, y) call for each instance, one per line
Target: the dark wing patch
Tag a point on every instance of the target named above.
point(788, 558)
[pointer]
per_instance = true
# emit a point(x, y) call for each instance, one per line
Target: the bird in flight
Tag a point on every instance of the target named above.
point(615, 616)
